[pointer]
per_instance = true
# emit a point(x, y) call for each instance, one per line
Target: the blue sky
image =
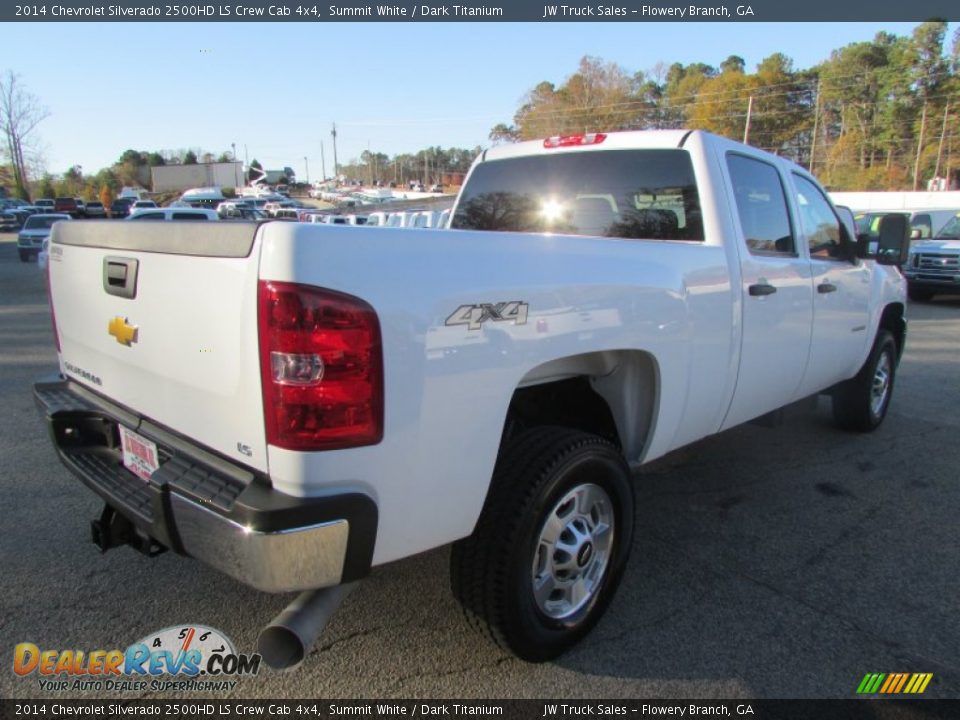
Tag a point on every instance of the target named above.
point(275, 88)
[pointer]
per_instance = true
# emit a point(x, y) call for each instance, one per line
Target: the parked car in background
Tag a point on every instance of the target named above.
point(399, 219)
point(45, 204)
point(140, 204)
point(424, 219)
point(22, 213)
point(933, 265)
point(305, 214)
point(351, 219)
point(81, 207)
point(34, 231)
point(924, 224)
point(239, 210)
point(9, 222)
point(95, 209)
point(120, 208)
point(271, 208)
point(66, 205)
point(288, 214)
point(173, 213)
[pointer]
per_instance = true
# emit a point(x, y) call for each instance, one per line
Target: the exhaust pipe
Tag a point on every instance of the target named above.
point(283, 644)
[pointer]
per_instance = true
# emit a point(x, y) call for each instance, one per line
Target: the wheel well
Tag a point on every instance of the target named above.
point(613, 394)
point(892, 320)
point(570, 403)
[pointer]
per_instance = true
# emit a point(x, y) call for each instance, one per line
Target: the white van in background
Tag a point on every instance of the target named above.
point(174, 213)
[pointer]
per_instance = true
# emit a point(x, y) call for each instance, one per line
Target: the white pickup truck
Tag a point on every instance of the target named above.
point(294, 404)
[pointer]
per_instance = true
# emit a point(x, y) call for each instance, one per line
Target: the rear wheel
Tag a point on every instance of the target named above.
point(919, 294)
point(551, 543)
point(861, 403)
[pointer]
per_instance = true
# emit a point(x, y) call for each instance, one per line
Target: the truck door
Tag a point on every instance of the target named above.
point(841, 293)
point(776, 292)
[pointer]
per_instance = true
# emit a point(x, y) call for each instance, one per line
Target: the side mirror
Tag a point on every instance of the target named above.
point(915, 234)
point(894, 245)
point(853, 246)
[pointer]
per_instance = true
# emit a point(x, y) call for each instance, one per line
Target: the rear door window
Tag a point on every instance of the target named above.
point(761, 206)
point(639, 194)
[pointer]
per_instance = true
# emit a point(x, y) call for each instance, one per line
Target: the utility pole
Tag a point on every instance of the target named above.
point(333, 134)
point(746, 129)
point(916, 165)
point(816, 125)
point(306, 165)
point(943, 132)
point(246, 156)
point(323, 163)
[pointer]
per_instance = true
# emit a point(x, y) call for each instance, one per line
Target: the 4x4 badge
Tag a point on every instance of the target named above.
point(124, 332)
point(473, 316)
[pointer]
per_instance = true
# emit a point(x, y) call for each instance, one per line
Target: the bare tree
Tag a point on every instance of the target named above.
point(20, 113)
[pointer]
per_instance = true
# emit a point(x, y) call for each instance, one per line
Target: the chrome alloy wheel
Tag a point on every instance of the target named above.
point(573, 551)
point(880, 385)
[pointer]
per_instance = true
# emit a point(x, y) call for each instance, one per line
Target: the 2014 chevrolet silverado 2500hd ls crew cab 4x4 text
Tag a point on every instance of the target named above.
point(294, 404)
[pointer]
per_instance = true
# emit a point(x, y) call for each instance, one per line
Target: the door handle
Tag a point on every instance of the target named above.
point(761, 289)
point(826, 287)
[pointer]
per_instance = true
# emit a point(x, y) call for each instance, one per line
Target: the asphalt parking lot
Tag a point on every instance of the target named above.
point(778, 563)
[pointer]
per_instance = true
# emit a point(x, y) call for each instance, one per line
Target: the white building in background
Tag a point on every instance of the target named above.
point(181, 177)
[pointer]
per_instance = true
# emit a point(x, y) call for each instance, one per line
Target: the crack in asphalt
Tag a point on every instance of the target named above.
point(503, 659)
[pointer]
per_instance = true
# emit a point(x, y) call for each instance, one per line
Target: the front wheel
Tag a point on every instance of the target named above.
point(860, 404)
point(551, 543)
point(24, 256)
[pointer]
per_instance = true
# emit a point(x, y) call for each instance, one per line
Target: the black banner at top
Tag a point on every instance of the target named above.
point(632, 11)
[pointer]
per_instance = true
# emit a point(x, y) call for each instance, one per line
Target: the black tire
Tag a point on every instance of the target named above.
point(857, 403)
point(919, 294)
point(24, 256)
point(493, 571)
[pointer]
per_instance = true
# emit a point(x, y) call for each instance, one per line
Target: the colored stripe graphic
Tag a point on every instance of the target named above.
point(927, 677)
point(894, 683)
point(870, 683)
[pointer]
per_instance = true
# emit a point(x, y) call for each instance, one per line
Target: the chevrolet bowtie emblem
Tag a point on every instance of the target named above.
point(124, 332)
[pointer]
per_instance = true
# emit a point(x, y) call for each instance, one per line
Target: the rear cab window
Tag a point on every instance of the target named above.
point(632, 194)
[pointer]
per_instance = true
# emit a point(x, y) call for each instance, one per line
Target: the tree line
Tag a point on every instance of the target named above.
point(876, 115)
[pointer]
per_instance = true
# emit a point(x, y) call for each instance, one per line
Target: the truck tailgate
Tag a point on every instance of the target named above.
point(161, 317)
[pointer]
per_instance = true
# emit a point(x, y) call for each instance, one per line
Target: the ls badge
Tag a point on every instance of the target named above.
point(473, 316)
point(124, 332)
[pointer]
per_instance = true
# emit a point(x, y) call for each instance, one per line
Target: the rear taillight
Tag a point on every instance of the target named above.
point(321, 366)
point(574, 140)
point(53, 314)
